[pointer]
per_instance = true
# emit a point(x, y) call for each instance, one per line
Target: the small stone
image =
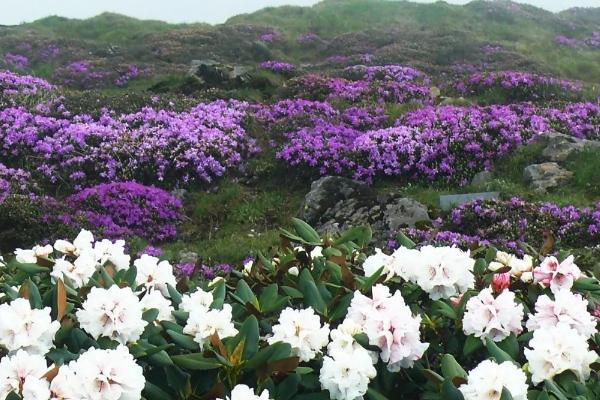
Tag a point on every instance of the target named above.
point(188, 257)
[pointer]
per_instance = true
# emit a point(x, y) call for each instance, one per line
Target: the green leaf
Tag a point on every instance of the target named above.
point(405, 241)
point(218, 293)
point(490, 254)
point(472, 344)
point(511, 346)
point(312, 295)
point(245, 293)
point(174, 294)
point(108, 280)
point(292, 292)
point(341, 309)
point(362, 235)
point(505, 394)
point(554, 389)
point(480, 266)
point(33, 293)
point(250, 332)
point(372, 394)
point(153, 392)
point(450, 392)
point(160, 359)
point(29, 268)
point(439, 307)
point(496, 352)
point(184, 341)
point(274, 352)
point(268, 297)
point(130, 276)
point(305, 231)
point(265, 262)
point(363, 340)
point(331, 251)
point(451, 368)
point(370, 281)
point(195, 362)
point(150, 315)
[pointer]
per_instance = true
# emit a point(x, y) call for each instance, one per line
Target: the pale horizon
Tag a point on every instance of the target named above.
point(188, 11)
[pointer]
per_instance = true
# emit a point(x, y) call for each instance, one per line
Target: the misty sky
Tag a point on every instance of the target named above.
point(212, 11)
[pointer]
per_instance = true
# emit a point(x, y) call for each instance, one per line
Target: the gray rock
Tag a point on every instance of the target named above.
point(542, 177)
point(335, 204)
point(404, 212)
point(214, 73)
point(188, 257)
point(326, 192)
point(481, 178)
point(558, 147)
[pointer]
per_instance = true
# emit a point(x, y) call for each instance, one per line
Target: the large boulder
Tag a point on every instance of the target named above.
point(327, 192)
point(335, 204)
point(215, 74)
point(549, 175)
point(558, 146)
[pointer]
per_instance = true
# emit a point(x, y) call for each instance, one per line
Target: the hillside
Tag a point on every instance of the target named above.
point(437, 38)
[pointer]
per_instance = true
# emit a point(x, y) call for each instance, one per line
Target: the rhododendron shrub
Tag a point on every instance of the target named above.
point(170, 148)
point(515, 86)
point(320, 317)
point(126, 209)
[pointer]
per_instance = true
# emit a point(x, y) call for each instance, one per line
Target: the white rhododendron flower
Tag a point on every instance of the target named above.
point(42, 251)
point(115, 313)
point(566, 308)
point(519, 267)
point(153, 273)
point(243, 392)
point(557, 275)
point(25, 256)
point(487, 380)
point(405, 260)
point(199, 301)
point(100, 375)
point(557, 349)
point(316, 252)
point(442, 272)
point(303, 331)
point(64, 246)
point(76, 274)
point(36, 389)
point(83, 241)
point(294, 271)
point(373, 263)
point(390, 325)
point(2, 262)
point(346, 375)
point(348, 367)
point(203, 324)
point(494, 318)
point(247, 267)
point(155, 299)
point(113, 253)
point(20, 372)
point(22, 327)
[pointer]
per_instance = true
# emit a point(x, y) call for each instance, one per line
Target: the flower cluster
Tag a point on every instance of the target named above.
point(125, 209)
point(81, 320)
point(12, 84)
point(278, 66)
point(171, 148)
point(390, 325)
point(519, 86)
point(17, 61)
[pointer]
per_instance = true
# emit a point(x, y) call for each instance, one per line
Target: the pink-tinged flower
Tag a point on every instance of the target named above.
point(596, 312)
point(494, 318)
point(557, 275)
point(501, 282)
point(455, 301)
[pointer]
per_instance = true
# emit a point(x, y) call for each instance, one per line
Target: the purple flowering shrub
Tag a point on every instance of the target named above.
point(17, 61)
point(14, 84)
point(509, 223)
point(433, 143)
point(125, 209)
point(581, 120)
point(149, 146)
point(514, 86)
point(280, 67)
